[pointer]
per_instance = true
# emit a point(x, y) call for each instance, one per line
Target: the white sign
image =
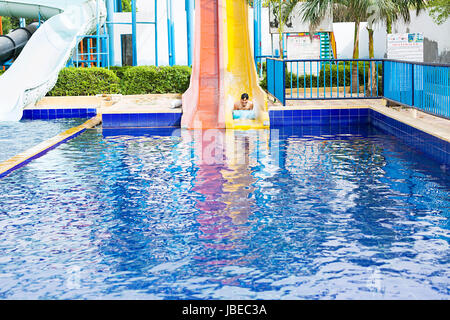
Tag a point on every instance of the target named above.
point(294, 23)
point(300, 46)
point(405, 46)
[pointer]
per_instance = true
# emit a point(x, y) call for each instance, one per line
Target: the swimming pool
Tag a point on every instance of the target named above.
point(16, 137)
point(294, 213)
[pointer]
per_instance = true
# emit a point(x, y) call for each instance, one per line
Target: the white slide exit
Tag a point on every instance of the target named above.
point(36, 69)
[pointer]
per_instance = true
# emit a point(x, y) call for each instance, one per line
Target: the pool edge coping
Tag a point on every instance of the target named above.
point(23, 158)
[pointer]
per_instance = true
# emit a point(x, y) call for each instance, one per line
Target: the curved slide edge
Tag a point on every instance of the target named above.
point(240, 74)
point(203, 101)
point(36, 69)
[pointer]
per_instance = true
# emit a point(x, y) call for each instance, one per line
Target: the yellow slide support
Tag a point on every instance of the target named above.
point(240, 71)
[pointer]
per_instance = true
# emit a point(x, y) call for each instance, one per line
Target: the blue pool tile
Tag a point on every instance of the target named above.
point(124, 120)
point(59, 113)
point(306, 113)
point(297, 113)
point(296, 121)
point(27, 114)
point(315, 113)
point(364, 119)
point(52, 114)
point(325, 113)
point(44, 114)
point(334, 112)
point(134, 119)
point(67, 113)
point(143, 119)
point(354, 112)
point(288, 113)
point(325, 120)
point(316, 120)
point(36, 114)
point(75, 113)
point(107, 120)
point(344, 112)
point(364, 112)
point(353, 119)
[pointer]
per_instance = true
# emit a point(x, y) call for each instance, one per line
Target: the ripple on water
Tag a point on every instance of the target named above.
point(351, 216)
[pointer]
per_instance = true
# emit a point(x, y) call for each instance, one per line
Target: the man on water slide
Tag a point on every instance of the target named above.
point(243, 109)
point(244, 103)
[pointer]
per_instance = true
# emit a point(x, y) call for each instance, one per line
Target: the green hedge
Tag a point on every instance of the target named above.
point(85, 82)
point(151, 79)
point(125, 80)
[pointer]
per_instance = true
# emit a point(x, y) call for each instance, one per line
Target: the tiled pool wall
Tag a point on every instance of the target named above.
point(319, 117)
point(49, 114)
point(434, 147)
point(141, 120)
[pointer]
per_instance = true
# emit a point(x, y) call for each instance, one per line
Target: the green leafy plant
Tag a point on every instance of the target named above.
point(85, 82)
point(151, 79)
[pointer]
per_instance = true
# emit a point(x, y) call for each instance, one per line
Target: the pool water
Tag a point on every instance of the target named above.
point(348, 213)
point(16, 137)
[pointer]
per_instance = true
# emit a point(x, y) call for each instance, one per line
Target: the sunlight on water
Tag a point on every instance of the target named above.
point(282, 214)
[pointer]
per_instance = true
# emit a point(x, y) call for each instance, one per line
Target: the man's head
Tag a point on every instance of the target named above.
point(244, 99)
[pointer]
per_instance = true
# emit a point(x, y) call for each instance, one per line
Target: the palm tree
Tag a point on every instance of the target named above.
point(282, 10)
point(358, 11)
point(314, 12)
point(387, 11)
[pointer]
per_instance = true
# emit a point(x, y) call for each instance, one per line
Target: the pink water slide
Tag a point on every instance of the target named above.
point(202, 101)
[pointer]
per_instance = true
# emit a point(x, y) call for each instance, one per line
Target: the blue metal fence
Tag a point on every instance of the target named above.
point(419, 85)
point(261, 62)
point(315, 79)
point(276, 77)
point(95, 53)
point(398, 82)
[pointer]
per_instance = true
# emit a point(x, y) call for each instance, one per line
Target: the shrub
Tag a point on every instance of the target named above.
point(85, 82)
point(119, 71)
point(151, 79)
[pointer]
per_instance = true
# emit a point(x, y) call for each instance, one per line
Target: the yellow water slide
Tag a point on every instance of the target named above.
point(223, 68)
point(240, 71)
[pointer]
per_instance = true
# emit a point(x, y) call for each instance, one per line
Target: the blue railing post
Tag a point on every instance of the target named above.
point(412, 84)
point(189, 6)
point(134, 31)
point(110, 26)
point(284, 82)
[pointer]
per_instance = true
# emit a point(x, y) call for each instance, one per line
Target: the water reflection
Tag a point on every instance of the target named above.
point(226, 162)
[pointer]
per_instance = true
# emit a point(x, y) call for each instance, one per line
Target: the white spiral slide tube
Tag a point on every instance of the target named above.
point(36, 69)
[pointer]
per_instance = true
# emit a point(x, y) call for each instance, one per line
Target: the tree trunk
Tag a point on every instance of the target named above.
point(388, 26)
point(355, 71)
point(280, 30)
point(372, 88)
point(280, 44)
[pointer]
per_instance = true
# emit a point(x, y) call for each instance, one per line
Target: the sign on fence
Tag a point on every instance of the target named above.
point(405, 46)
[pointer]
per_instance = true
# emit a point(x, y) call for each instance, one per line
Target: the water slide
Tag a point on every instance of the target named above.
point(35, 71)
point(223, 68)
point(12, 44)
